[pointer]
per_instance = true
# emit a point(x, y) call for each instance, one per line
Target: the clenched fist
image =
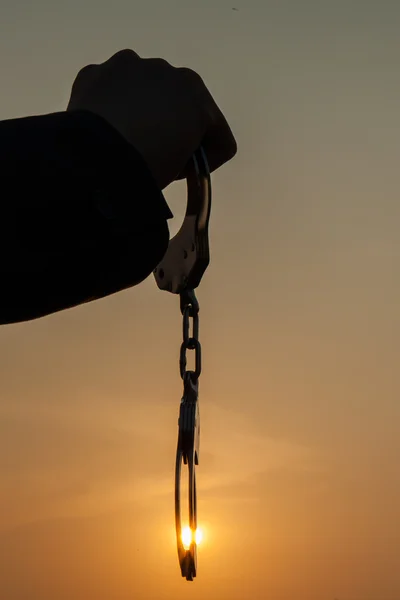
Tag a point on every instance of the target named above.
point(165, 112)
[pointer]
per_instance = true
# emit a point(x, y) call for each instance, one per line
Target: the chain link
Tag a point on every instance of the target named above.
point(190, 312)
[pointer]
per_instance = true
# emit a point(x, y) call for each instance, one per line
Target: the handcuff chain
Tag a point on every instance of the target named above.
point(190, 312)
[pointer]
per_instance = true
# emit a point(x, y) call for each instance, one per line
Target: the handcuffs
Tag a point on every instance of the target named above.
point(180, 272)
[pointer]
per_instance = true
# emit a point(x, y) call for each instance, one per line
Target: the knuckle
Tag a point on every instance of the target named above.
point(85, 71)
point(159, 64)
point(191, 76)
point(84, 77)
point(126, 54)
point(233, 148)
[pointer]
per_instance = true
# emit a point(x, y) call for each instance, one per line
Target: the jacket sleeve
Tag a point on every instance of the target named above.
point(81, 216)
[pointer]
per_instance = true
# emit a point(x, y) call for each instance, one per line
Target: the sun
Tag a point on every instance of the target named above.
point(187, 537)
point(199, 536)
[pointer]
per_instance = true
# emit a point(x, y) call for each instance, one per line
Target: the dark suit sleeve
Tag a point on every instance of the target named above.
point(81, 216)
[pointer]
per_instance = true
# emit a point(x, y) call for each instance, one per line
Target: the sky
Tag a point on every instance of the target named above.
point(299, 480)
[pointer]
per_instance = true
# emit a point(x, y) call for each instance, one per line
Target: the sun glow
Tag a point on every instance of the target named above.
point(188, 534)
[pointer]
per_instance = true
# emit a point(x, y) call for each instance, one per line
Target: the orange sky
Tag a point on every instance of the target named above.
point(299, 483)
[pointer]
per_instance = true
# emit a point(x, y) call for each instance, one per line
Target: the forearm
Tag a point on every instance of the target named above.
point(78, 205)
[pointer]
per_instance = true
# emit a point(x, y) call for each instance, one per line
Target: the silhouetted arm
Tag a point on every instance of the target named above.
point(81, 216)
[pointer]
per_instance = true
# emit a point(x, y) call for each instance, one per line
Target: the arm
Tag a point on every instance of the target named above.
point(81, 215)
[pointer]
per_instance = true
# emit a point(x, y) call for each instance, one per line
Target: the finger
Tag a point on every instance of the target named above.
point(218, 140)
point(219, 143)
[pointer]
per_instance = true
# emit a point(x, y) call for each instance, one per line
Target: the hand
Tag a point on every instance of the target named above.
point(165, 112)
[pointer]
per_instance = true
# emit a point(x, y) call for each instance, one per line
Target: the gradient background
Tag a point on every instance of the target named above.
point(299, 484)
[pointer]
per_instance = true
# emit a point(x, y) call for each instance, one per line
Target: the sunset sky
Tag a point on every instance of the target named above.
point(299, 479)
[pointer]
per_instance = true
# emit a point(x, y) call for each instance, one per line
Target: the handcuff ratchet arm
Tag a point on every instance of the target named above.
point(188, 254)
